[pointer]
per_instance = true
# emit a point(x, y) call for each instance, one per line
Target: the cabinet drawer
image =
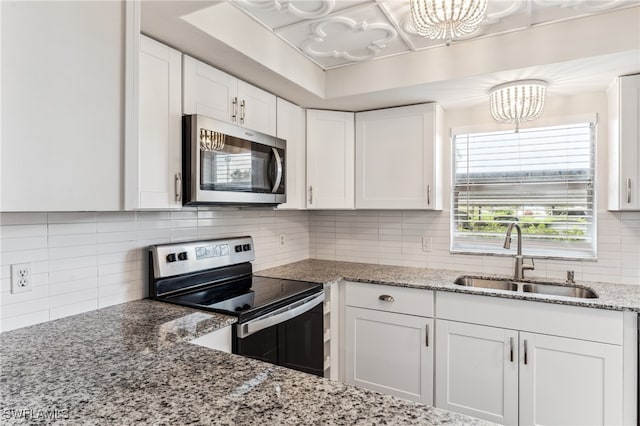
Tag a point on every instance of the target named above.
point(402, 300)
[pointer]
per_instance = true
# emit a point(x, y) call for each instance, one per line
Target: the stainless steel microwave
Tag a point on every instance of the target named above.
point(228, 164)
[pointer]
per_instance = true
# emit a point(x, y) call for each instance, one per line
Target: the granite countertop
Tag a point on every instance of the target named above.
point(132, 363)
point(611, 296)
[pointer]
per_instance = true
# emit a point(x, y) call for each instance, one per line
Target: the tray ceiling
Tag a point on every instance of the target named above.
point(337, 33)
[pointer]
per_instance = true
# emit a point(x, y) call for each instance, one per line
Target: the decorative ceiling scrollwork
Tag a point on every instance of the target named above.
point(335, 33)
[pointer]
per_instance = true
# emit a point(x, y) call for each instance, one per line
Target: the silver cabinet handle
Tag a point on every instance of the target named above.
point(511, 349)
point(234, 102)
point(386, 298)
point(178, 186)
point(628, 190)
point(311, 195)
point(276, 185)
point(428, 195)
point(243, 111)
point(426, 342)
point(525, 352)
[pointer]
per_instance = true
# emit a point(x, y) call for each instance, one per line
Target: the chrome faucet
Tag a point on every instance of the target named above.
point(520, 266)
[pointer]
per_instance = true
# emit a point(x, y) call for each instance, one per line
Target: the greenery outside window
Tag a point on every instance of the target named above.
point(542, 178)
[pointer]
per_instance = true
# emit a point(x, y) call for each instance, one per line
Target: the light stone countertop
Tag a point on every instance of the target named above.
point(611, 296)
point(131, 363)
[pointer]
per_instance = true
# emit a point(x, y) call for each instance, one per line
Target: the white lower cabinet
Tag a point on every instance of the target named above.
point(518, 376)
point(219, 340)
point(476, 372)
point(569, 381)
point(386, 351)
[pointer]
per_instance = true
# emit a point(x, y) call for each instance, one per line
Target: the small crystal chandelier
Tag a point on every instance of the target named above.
point(517, 102)
point(447, 19)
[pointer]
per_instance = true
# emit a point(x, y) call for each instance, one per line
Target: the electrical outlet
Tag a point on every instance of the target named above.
point(426, 243)
point(20, 277)
point(282, 240)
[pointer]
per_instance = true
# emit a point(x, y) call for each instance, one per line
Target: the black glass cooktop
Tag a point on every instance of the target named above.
point(247, 297)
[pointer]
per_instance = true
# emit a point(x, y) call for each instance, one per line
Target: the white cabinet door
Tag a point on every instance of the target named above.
point(63, 91)
point(209, 91)
point(257, 109)
point(330, 152)
point(569, 382)
point(389, 353)
point(398, 158)
point(624, 146)
point(291, 128)
point(216, 94)
point(153, 166)
point(477, 371)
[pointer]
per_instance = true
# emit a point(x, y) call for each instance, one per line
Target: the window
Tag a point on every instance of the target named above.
point(541, 178)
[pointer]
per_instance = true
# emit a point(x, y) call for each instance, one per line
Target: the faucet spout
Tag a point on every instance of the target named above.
point(520, 267)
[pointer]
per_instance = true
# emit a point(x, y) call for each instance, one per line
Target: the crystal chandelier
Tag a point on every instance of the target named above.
point(517, 102)
point(447, 19)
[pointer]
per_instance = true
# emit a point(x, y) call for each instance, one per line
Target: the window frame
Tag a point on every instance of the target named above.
point(494, 249)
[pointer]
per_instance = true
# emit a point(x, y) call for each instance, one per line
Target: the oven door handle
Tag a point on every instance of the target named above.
point(279, 316)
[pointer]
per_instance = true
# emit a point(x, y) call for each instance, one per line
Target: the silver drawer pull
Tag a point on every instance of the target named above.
point(386, 298)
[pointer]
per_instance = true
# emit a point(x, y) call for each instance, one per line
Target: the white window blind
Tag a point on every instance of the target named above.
point(541, 178)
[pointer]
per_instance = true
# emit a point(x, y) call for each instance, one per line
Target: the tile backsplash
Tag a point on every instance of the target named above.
point(396, 238)
point(85, 261)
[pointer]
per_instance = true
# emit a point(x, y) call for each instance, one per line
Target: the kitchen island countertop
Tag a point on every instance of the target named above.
point(131, 363)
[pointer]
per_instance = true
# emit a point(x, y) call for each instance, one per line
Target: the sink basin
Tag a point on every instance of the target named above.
point(495, 284)
point(559, 290)
point(526, 287)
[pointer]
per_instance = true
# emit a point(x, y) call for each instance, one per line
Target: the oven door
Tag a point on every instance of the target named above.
point(291, 336)
point(230, 164)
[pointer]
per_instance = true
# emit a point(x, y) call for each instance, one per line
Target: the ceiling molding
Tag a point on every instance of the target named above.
point(324, 8)
point(320, 33)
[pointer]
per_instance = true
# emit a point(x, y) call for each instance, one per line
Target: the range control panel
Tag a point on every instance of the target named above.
point(181, 258)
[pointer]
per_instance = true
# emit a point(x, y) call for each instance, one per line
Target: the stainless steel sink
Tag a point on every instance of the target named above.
point(495, 284)
point(560, 290)
point(526, 287)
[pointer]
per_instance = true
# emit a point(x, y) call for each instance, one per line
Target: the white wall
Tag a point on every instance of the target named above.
point(395, 237)
point(85, 261)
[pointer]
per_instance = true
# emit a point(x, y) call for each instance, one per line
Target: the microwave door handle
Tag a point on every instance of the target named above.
point(276, 185)
point(279, 316)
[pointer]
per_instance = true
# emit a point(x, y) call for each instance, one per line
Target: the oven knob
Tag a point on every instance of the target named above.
point(182, 255)
point(246, 247)
point(238, 248)
point(171, 257)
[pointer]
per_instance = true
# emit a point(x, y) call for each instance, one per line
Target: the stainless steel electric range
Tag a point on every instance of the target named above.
point(279, 321)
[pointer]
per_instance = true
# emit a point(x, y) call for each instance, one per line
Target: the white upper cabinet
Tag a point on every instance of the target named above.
point(291, 127)
point(153, 162)
point(215, 94)
point(624, 143)
point(399, 157)
point(330, 151)
point(63, 91)
point(257, 109)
